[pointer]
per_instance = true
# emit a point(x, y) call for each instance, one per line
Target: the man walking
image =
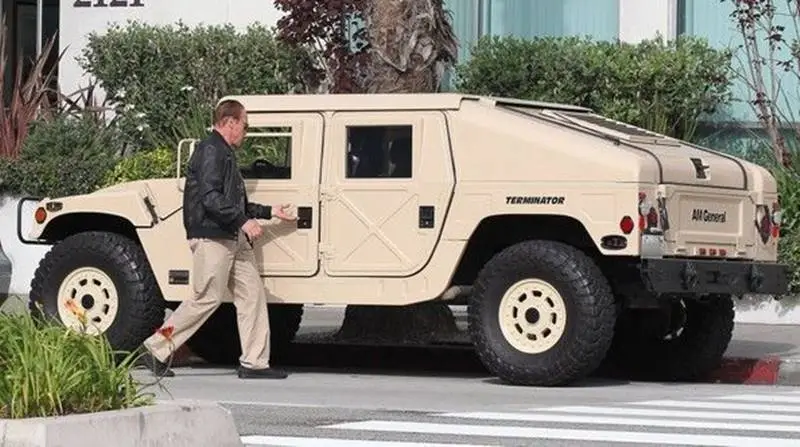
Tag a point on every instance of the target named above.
point(221, 226)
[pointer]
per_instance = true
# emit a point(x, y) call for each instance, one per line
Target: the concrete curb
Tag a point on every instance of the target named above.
point(771, 370)
point(167, 424)
point(13, 304)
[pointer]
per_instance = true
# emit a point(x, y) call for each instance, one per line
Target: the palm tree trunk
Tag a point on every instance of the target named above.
point(411, 44)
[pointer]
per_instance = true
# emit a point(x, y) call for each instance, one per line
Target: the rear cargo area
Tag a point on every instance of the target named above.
point(709, 205)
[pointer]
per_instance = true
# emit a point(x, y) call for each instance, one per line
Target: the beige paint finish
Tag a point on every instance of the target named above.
point(471, 158)
point(498, 145)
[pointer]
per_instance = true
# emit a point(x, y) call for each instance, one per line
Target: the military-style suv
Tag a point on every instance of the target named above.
point(573, 238)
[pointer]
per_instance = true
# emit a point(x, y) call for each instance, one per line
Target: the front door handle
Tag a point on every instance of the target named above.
point(304, 217)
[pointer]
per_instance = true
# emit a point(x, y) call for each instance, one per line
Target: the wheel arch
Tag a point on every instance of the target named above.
point(497, 232)
point(66, 225)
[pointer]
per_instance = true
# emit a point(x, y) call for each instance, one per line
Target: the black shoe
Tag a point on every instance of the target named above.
point(153, 364)
point(266, 373)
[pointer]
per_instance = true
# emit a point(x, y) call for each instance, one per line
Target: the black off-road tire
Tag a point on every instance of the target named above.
point(141, 306)
point(587, 299)
point(689, 357)
point(217, 341)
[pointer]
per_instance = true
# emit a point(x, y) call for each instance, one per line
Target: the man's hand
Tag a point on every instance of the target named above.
point(252, 229)
point(280, 212)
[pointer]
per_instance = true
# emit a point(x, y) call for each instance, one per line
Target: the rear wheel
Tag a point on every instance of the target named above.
point(541, 313)
point(106, 279)
point(217, 341)
point(684, 341)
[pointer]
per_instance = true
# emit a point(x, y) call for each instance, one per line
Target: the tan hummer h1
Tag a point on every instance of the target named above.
point(573, 238)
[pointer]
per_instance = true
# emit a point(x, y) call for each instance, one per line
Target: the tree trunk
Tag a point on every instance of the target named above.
point(411, 45)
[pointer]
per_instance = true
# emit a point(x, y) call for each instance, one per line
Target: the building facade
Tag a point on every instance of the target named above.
point(32, 22)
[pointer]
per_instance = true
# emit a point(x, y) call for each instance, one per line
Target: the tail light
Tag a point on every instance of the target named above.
point(768, 222)
point(777, 215)
point(648, 215)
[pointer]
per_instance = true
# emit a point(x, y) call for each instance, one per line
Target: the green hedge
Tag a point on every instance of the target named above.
point(156, 163)
point(160, 163)
point(160, 73)
point(64, 156)
point(660, 86)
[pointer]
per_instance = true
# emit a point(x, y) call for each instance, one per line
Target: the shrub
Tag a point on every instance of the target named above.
point(149, 70)
point(661, 86)
point(156, 163)
point(160, 162)
point(62, 156)
point(48, 370)
point(788, 178)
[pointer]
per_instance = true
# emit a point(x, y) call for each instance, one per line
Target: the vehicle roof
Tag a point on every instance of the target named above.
point(378, 101)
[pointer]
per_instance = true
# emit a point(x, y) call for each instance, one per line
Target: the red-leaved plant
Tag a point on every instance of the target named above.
point(27, 96)
point(330, 30)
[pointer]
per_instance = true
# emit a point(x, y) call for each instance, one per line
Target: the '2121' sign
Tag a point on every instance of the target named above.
point(107, 3)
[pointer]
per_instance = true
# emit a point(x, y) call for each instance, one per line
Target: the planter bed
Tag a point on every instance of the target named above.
point(165, 423)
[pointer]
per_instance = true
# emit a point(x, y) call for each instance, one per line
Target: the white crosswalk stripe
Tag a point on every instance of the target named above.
point(295, 441)
point(763, 420)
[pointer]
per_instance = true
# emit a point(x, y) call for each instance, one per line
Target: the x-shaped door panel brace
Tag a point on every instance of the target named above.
point(376, 228)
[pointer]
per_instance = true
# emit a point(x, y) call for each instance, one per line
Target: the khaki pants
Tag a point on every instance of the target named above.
point(219, 265)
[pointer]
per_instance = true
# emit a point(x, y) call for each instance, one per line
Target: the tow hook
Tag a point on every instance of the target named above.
point(689, 275)
point(756, 278)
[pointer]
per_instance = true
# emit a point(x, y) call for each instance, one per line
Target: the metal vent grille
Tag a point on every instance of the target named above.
point(612, 125)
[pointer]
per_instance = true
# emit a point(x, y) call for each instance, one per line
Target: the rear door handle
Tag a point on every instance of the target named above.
point(427, 217)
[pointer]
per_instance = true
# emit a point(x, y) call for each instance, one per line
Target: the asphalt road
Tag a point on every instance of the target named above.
point(383, 396)
point(332, 407)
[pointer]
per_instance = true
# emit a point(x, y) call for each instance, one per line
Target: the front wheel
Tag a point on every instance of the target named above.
point(542, 314)
point(99, 283)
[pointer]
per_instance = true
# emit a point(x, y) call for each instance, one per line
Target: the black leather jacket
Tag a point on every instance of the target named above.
point(215, 203)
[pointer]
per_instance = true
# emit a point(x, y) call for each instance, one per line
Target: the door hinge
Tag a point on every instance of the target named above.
point(327, 194)
point(325, 251)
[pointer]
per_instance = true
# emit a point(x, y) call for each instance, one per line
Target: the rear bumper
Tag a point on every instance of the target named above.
point(674, 275)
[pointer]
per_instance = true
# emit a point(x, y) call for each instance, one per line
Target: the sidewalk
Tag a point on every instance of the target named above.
point(765, 354)
point(760, 340)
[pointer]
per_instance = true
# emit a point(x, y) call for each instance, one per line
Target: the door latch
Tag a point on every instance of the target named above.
point(426, 217)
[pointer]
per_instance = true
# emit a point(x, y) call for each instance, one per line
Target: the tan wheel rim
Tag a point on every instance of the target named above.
point(88, 301)
point(532, 316)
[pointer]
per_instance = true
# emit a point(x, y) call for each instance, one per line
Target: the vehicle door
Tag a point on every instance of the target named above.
point(386, 187)
point(280, 160)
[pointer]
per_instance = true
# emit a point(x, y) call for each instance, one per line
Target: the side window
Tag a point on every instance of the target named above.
point(379, 151)
point(266, 153)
